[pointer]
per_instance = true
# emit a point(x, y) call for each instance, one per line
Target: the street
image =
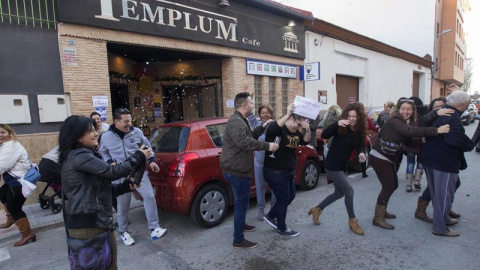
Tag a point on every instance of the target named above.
point(332, 245)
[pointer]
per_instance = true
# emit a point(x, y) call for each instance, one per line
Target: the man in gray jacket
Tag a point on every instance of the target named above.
point(236, 162)
point(118, 143)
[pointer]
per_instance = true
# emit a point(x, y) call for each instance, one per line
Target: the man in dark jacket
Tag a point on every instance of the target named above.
point(236, 161)
point(442, 157)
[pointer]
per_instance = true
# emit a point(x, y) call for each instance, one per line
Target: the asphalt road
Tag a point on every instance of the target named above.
point(329, 246)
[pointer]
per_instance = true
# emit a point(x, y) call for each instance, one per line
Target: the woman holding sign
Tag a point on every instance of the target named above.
point(348, 135)
point(279, 166)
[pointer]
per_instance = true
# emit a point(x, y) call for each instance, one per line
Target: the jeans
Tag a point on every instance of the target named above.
point(411, 162)
point(281, 182)
point(260, 187)
point(12, 196)
point(241, 191)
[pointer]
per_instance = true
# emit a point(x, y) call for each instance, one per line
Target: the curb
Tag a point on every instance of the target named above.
point(42, 219)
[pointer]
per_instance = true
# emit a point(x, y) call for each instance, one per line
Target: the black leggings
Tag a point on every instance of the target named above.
point(13, 198)
point(387, 174)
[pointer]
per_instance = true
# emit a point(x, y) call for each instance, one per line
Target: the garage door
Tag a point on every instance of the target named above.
point(347, 90)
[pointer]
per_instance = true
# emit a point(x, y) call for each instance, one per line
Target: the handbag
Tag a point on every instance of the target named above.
point(32, 175)
point(91, 253)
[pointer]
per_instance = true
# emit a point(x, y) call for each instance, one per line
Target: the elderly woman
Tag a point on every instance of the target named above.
point(398, 130)
point(14, 164)
point(86, 181)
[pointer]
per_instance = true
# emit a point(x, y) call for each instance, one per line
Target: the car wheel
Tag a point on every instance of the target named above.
point(309, 176)
point(466, 123)
point(210, 205)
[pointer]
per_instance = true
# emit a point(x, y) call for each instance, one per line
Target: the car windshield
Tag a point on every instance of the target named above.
point(170, 139)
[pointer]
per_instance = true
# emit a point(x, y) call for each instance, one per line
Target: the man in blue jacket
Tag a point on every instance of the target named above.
point(442, 157)
point(118, 143)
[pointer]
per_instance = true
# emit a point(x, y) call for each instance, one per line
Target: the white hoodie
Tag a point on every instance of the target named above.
point(14, 159)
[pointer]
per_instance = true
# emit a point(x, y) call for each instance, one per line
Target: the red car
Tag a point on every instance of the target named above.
point(191, 181)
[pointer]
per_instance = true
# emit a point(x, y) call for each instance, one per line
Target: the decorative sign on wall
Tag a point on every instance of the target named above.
point(311, 71)
point(255, 67)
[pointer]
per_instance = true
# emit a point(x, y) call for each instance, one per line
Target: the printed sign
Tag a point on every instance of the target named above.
point(99, 101)
point(241, 25)
point(306, 107)
point(230, 103)
point(102, 110)
point(271, 69)
point(70, 56)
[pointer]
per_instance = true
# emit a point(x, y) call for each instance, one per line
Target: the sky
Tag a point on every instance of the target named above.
point(407, 25)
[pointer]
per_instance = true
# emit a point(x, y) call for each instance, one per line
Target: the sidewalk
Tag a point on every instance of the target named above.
point(42, 219)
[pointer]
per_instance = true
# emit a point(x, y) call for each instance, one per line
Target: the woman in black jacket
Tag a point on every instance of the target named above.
point(86, 181)
point(398, 130)
point(348, 135)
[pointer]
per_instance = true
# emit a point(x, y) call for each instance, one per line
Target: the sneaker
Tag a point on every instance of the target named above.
point(271, 221)
point(287, 232)
point(127, 239)
point(157, 233)
point(245, 244)
point(248, 228)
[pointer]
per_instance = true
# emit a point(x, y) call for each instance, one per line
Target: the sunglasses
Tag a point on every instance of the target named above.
point(407, 100)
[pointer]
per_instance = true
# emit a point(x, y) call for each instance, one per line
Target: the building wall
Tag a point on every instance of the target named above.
point(90, 76)
point(382, 78)
point(453, 48)
point(30, 65)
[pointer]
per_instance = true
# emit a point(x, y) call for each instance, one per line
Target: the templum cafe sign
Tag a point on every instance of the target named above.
point(240, 26)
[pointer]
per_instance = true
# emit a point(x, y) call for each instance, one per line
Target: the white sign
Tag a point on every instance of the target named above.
point(100, 101)
point(306, 107)
point(230, 103)
point(311, 71)
point(271, 69)
point(70, 56)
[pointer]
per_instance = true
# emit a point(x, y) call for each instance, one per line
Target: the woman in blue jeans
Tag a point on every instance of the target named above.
point(348, 136)
point(266, 113)
point(279, 167)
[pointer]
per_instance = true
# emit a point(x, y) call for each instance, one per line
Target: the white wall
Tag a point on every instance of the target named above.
point(382, 78)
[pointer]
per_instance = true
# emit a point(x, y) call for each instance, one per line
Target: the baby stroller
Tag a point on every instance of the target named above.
point(50, 172)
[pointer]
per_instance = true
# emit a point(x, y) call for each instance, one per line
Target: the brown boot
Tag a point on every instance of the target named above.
point(453, 214)
point(379, 219)
point(9, 221)
point(27, 233)
point(354, 226)
point(389, 215)
point(316, 212)
point(421, 213)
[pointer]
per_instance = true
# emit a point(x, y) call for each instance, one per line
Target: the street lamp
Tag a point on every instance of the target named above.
point(444, 32)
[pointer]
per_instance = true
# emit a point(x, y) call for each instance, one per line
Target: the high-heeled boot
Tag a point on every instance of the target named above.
point(27, 234)
point(9, 221)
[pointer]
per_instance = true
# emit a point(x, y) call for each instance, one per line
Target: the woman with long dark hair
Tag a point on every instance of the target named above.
point(86, 181)
point(398, 130)
point(14, 164)
point(348, 135)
